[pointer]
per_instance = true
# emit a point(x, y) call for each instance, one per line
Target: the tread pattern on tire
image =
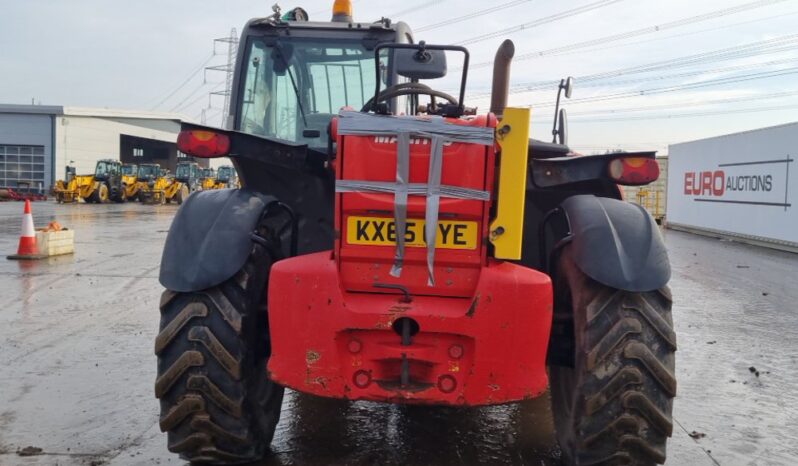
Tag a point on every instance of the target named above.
point(217, 403)
point(623, 381)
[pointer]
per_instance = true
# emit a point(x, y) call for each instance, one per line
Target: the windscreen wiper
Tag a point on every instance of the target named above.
point(293, 82)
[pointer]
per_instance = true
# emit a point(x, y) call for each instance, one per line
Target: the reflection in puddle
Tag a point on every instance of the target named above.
point(319, 431)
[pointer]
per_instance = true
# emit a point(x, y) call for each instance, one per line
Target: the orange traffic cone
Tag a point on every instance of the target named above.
point(27, 241)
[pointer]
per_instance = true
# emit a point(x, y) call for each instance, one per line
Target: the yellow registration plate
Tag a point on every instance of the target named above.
point(381, 231)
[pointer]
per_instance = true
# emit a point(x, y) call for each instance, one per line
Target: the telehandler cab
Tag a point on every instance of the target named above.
point(390, 244)
point(190, 174)
point(226, 177)
point(148, 172)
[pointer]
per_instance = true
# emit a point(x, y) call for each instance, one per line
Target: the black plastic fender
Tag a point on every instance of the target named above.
point(617, 243)
point(209, 240)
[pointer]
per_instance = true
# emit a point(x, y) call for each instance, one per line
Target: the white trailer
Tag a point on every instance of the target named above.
point(740, 185)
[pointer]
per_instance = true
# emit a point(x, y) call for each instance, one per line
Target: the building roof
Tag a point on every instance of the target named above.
point(32, 109)
point(91, 112)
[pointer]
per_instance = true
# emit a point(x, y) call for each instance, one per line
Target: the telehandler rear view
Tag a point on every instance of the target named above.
point(390, 244)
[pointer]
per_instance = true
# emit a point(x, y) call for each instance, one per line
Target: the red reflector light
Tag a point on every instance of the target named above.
point(456, 351)
point(447, 383)
point(362, 379)
point(205, 144)
point(634, 171)
point(354, 346)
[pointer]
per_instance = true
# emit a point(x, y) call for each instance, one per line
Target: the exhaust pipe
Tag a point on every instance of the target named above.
point(501, 77)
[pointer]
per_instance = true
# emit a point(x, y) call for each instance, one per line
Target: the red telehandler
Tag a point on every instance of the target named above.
point(390, 244)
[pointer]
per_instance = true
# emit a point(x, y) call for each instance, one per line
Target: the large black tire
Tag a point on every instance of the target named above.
point(118, 195)
point(100, 195)
point(614, 406)
point(182, 194)
point(217, 402)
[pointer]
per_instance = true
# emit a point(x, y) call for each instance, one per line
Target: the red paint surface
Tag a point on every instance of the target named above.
point(504, 337)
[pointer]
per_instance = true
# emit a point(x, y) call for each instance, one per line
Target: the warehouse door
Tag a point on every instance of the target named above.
point(142, 150)
point(22, 166)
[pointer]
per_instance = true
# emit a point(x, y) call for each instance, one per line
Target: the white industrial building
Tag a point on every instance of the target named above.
point(38, 142)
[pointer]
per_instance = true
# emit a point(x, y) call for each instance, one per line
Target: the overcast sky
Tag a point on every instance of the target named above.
point(133, 54)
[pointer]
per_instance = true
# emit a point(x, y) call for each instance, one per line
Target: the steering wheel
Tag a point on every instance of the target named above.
point(398, 90)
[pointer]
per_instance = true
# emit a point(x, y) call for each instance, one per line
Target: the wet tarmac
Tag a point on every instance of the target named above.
point(77, 364)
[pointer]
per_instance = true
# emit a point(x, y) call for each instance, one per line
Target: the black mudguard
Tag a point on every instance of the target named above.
point(617, 243)
point(209, 240)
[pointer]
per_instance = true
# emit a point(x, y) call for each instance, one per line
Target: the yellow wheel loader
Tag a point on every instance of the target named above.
point(104, 185)
point(73, 188)
point(158, 187)
point(207, 179)
point(177, 191)
point(130, 182)
point(152, 181)
point(226, 177)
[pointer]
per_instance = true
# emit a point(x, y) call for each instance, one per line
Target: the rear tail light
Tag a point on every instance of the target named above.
point(634, 171)
point(205, 144)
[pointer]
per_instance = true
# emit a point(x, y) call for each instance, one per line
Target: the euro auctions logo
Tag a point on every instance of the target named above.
point(717, 183)
point(763, 183)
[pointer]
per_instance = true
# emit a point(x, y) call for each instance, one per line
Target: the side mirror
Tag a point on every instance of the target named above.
point(559, 131)
point(420, 64)
point(562, 131)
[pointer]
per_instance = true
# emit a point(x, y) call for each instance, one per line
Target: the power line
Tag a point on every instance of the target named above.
point(539, 22)
point(778, 44)
point(681, 34)
point(769, 46)
point(642, 31)
point(659, 77)
point(215, 111)
point(681, 105)
point(414, 8)
point(688, 74)
point(704, 57)
point(687, 115)
point(682, 87)
point(181, 107)
point(475, 14)
point(190, 95)
point(196, 71)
